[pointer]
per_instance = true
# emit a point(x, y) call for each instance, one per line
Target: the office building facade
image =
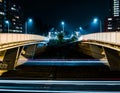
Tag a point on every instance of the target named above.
point(113, 21)
point(10, 17)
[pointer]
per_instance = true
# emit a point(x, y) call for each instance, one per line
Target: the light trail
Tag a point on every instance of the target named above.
point(65, 63)
point(53, 86)
point(60, 82)
point(48, 91)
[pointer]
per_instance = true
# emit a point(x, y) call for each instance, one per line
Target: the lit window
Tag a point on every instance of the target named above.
point(118, 28)
point(13, 20)
point(2, 13)
point(12, 8)
point(109, 28)
point(17, 27)
point(109, 19)
point(109, 25)
point(17, 17)
point(1, 0)
point(14, 5)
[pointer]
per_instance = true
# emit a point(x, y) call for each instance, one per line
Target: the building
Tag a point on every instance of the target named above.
point(114, 8)
point(2, 14)
point(113, 21)
point(112, 24)
point(10, 17)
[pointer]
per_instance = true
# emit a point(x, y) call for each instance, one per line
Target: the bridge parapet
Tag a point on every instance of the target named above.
point(12, 37)
point(108, 37)
point(12, 45)
point(106, 44)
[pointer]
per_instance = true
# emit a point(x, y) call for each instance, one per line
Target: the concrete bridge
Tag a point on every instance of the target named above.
point(98, 45)
point(12, 45)
point(102, 45)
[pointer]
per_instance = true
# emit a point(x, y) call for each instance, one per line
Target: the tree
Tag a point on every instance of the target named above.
point(74, 38)
point(60, 37)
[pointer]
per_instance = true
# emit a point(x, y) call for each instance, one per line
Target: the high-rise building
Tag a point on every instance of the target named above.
point(114, 8)
point(10, 17)
point(2, 14)
point(113, 21)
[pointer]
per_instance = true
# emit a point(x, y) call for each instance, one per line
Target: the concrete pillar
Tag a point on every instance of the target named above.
point(30, 51)
point(97, 51)
point(11, 58)
point(113, 57)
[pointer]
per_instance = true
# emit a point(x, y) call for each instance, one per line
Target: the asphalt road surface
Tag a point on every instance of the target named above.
point(48, 86)
point(62, 70)
point(65, 74)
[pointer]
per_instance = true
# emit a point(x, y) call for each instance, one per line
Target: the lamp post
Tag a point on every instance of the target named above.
point(63, 23)
point(80, 28)
point(95, 20)
point(26, 24)
point(7, 22)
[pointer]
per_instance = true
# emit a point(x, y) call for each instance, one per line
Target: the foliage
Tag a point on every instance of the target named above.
point(74, 38)
point(60, 37)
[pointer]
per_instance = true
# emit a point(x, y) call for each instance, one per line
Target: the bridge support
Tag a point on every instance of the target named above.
point(113, 57)
point(92, 50)
point(30, 51)
point(11, 58)
point(97, 51)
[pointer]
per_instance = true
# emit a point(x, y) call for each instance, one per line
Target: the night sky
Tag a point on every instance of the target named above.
point(75, 13)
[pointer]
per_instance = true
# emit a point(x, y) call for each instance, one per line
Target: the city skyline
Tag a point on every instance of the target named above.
point(48, 14)
point(11, 17)
point(73, 12)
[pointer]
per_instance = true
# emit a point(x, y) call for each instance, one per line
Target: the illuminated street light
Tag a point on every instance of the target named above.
point(95, 20)
point(7, 22)
point(80, 28)
point(26, 24)
point(30, 20)
point(63, 23)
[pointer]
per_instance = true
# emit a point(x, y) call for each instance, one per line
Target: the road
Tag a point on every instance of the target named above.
point(62, 70)
point(65, 74)
point(61, 77)
point(51, 86)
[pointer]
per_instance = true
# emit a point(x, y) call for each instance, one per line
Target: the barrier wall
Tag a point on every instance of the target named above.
point(12, 37)
point(109, 37)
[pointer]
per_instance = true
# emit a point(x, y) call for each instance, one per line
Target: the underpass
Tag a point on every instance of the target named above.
point(58, 69)
point(64, 63)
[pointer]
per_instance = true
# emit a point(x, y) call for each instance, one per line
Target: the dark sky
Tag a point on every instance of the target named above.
point(73, 12)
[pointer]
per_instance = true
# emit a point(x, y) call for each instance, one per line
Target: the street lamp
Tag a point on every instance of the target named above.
point(7, 22)
point(63, 23)
point(95, 20)
point(80, 28)
point(26, 24)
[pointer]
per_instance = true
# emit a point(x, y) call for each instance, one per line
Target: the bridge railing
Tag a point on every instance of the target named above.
point(12, 37)
point(108, 37)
